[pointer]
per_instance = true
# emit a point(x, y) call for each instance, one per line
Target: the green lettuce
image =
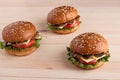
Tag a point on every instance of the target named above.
point(85, 66)
point(37, 45)
point(2, 45)
point(13, 48)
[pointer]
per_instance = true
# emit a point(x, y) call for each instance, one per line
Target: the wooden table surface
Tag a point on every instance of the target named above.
point(49, 62)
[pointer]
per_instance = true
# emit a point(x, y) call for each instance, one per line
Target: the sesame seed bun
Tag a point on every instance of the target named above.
point(99, 64)
point(89, 43)
point(61, 15)
point(66, 31)
point(23, 52)
point(18, 31)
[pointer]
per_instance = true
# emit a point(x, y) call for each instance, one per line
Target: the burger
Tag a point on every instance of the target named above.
point(20, 38)
point(88, 50)
point(63, 20)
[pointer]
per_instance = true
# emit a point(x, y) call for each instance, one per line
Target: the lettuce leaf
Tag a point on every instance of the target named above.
point(2, 46)
point(13, 48)
point(105, 59)
point(86, 66)
point(37, 45)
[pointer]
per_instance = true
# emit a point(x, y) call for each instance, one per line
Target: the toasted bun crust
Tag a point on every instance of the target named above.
point(66, 31)
point(61, 15)
point(89, 43)
point(18, 31)
point(24, 52)
point(99, 64)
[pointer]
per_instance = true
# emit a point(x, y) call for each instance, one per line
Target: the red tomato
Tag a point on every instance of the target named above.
point(68, 26)
point(75, 23)
point(91, 62)
point(24, 45)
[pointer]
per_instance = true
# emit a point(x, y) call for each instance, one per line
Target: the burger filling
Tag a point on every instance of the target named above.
point(66, 26)
point(87, 61)
point(22, 45)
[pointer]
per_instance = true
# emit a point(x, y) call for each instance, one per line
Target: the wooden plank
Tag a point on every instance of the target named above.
point(59, 74)
point(19, 78)
point(85, 3)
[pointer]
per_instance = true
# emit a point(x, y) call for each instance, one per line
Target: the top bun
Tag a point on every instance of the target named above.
point(89, 43)
point(61, 15)
point(18, 31)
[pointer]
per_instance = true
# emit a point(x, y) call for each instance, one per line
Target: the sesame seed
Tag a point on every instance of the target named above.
point(25, 24)
point(82, 41)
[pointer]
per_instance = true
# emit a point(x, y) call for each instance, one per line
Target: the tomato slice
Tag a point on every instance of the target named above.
point(91, 62)
point(75, 23)
point(31, 43)
point(68, 26)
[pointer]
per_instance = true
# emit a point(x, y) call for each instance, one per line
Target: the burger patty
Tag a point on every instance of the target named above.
point(57, 25)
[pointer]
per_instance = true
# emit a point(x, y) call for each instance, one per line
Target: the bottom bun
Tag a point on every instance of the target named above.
point(23, 52)
point(66, 31)
point(96, 66)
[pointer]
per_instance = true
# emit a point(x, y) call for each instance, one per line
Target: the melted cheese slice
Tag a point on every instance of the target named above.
point(91, 58)
point(87, 60)
point(62, 26)
point(24, 42)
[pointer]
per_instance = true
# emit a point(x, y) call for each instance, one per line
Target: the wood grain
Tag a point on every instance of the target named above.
point(49, 62)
